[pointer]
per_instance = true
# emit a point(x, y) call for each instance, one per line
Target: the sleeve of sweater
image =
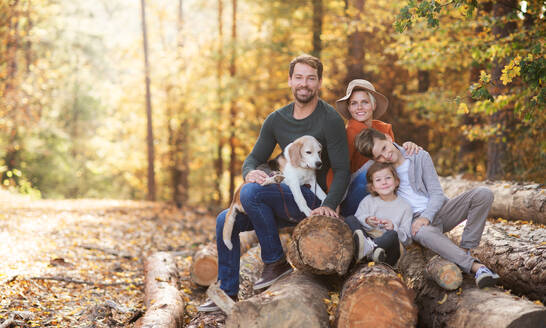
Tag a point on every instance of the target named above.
point(364, 210)
point(338, 154)
point(434, 188)
point(263, 148)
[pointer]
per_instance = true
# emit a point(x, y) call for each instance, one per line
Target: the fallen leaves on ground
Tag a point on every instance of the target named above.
point(79, 263)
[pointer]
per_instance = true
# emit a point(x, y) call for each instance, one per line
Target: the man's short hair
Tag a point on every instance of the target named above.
point(364, 141)
point(377, 166)
point(307, 60)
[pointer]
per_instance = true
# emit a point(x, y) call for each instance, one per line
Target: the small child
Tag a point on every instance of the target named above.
point(382, 210)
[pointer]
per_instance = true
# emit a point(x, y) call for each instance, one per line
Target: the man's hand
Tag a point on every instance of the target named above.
point(418, 224)
point(411, 148)
point(324, 210)
point(256, 176)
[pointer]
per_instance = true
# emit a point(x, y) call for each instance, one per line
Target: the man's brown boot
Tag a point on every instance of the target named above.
point(273, 272)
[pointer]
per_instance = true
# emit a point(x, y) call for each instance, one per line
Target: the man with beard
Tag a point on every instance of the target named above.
point(273, 206)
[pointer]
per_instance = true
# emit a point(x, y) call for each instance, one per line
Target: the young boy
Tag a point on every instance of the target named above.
point(433, 212)
point(382, 211)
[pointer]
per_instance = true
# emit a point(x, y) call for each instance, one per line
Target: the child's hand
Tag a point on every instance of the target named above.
point(373, 221)
point(386, 224)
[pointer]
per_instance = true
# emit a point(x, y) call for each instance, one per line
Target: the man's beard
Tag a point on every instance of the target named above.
point(304, 99)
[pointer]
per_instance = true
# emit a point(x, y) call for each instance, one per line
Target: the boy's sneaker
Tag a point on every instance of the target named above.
point(366, 248)
point(273, 272)
point(485, 277)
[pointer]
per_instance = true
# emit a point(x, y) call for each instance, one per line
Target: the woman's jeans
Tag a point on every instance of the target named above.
point(356, 193)
point(388, 241)
point(267, 209)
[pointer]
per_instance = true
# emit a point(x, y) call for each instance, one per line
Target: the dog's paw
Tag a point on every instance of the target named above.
point(273, 180)
point(228, 243)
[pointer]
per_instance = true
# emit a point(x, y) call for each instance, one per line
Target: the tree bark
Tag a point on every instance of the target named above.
point(318, 15)
point(149, 125)
point(321, 245)
point(164, 303)
point(518, 255)
point(296, 300)
point(356, 41)
point(204, 267)
point(233, 109)
point(468, 306)
point(512, 201)
point(496, 146)
point(219, 161)
point(374, 296)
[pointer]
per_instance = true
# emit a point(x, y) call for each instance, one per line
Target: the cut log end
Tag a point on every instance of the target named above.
point(376, 297)
point(321, 245)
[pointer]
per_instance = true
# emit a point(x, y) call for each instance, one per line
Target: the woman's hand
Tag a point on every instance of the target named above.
point(411, 148)
point(324, 210)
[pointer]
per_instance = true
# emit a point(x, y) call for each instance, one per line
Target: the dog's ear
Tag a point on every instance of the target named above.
point(294, 152)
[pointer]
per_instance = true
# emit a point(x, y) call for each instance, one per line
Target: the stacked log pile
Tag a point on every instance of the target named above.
point(468, 306)
point(517, 254)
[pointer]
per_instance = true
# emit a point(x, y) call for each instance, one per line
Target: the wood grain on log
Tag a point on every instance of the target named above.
point(321, 245)
point(519, 261)
point(468, 306)
point(296, 300)
point(164, 303)
point(204, 267)
point(512, 201)
point(446, 274)
point(374, 296)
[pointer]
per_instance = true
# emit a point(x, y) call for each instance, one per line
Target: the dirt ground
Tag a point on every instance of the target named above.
point(79, 263)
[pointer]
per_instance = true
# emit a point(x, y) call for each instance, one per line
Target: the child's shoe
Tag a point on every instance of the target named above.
point(366, 248)
point(485, 277)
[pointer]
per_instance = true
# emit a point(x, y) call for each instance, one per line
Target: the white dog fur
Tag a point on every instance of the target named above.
point(298, 163)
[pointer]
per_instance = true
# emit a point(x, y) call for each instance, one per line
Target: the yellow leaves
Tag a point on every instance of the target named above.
point(513, 235)
point(463, 109)
point(510, 71)
point(537, 302)
point(484, 77)
point(371, 264)
point(460, 291)
point(443, 300)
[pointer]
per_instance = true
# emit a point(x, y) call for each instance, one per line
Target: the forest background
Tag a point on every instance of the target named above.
point(465, 80)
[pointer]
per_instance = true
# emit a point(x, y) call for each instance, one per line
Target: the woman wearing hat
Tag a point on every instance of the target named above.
point(361, 107)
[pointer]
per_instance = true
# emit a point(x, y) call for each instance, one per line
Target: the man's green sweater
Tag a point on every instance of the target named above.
point(325, 124)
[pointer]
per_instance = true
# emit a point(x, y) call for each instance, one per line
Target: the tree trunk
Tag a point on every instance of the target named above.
point(204, 267)
point(219, 161)
point(356, 42)
point(512, 201)
point(164, 303)
point(468, 306)
point(321, 245)
point(374, 296)
point(150, 134)
point(296, 300)
point(517, 254)
point(233, 109)
point(318, 15)
point(496, 147)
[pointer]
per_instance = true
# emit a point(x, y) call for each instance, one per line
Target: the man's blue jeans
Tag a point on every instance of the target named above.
point(356, 193)
point(267, 210)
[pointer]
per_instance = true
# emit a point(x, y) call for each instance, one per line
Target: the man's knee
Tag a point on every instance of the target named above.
point(248, 193)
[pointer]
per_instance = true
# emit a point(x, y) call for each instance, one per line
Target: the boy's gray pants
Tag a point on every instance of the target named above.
point(473, 206)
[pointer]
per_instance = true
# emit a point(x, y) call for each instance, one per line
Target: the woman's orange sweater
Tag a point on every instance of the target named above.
point(353, 128)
